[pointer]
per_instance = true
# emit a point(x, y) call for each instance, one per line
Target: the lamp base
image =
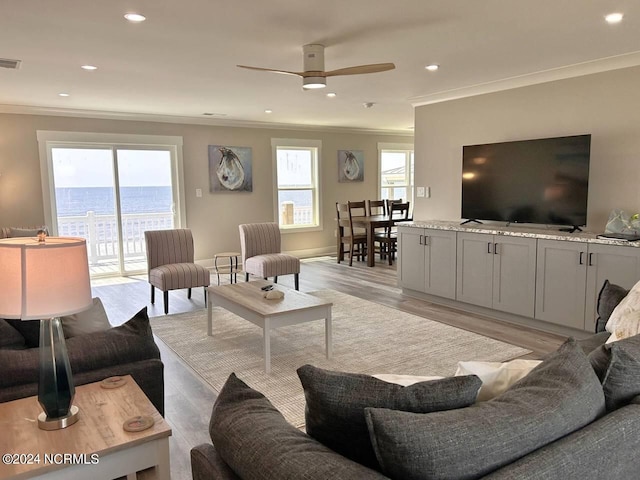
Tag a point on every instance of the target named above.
point(45, 423)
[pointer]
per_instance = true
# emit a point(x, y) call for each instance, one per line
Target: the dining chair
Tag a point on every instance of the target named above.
point(376, 207)
point(358, 209)
point(170, 264)
point(357, 242)
point(261, 255)
point(388, 239)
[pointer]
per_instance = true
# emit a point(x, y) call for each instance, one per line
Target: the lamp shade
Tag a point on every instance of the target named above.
point(43, 279)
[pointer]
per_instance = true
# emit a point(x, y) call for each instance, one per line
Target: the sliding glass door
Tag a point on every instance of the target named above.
point(110, 195)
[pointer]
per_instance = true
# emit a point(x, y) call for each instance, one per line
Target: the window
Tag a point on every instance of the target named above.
point(396, 171)
point(296, 196)
point(109, 189)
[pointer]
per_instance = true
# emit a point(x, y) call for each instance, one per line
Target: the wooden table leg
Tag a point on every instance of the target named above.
point(328, 333)
point(266, 332)
point(371, 258)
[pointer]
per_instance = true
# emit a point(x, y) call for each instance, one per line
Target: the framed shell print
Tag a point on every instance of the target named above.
point(350, 166)
point(230, 169)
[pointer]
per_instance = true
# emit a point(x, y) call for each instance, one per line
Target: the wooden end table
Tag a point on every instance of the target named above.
point(246, 300)
point(96, 447)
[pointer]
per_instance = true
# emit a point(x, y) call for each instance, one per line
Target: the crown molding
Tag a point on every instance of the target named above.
point(185, 120)
point(631, 59)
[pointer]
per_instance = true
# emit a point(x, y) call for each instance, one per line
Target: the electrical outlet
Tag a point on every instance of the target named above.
point(198, 192)
point(420, 191)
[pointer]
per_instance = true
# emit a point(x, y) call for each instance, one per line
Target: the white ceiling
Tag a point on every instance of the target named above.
point(181, 62)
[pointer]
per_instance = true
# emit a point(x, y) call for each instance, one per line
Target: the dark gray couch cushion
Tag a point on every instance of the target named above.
point(617, 364)
point(335, 403)
point(608, 299)
point(29, 329)
point(559, 396)
point(9, 336)
point(256, 441)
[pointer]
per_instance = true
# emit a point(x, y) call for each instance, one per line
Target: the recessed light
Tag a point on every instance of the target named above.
point(268, 111)
point(614, 17)
point(331, 95)
point(89, 67)
point(433, 67)
point(135, 17)
point(63, 94)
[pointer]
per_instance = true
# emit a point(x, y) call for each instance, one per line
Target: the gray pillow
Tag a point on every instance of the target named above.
point(608, 299)
point(335, 403)
point(559, 396)
point(10, 337)
point(26, 232)
point(93, 319)
point(617, 364)
point(29, 329)
point(256, 441)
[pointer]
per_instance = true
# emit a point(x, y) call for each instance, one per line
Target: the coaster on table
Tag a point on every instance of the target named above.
point(113, 382)
point(137, 424)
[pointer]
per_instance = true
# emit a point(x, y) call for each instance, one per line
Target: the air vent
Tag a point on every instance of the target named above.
point(13, 64)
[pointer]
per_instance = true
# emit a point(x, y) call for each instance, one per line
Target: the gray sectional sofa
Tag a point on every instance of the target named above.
point(575, 416)
point(125, 350)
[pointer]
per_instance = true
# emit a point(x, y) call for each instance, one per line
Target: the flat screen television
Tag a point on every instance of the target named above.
point(543, 181)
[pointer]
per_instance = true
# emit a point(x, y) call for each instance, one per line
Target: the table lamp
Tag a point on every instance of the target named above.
point(46, 278)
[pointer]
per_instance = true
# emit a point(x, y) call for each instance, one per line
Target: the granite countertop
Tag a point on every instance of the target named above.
point(546, 233)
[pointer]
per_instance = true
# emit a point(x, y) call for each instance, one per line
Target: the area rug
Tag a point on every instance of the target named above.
point(367, 338)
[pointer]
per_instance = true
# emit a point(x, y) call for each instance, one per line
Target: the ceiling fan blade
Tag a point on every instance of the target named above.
point(284, 72)
point(373, 68)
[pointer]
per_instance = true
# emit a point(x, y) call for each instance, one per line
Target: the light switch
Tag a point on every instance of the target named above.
point(198, 192)
point(427, 192)
point(420, 191)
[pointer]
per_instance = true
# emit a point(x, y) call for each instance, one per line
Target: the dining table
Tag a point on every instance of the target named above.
point(369, 223)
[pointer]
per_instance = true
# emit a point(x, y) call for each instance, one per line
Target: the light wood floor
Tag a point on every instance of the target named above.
point(188, 400)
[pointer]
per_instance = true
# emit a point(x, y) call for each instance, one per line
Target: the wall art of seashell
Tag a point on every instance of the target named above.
point(350, 166)
point(230, 171)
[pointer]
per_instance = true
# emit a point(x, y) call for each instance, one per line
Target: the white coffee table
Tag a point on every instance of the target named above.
point(246, 300)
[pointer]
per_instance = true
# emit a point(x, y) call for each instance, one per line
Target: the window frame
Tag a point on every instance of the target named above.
point(315, 146)
point(408, 150)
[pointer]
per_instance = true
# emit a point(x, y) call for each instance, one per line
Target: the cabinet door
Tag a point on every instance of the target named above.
point(561, 279)
point(440, 263)
point(411, 258)
point(619, 265)
point(514, 275)
point(474, 268)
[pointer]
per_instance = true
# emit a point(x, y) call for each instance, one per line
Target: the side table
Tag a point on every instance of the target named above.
point(96, 447)
point(227, 263)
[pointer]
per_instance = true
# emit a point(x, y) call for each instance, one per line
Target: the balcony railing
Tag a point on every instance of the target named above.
point(101, 233)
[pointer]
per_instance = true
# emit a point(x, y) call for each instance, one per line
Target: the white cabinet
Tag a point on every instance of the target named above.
point(619, 265)
point(497, 271)
point(571, 274)
point(427, 261)
point(561, 282)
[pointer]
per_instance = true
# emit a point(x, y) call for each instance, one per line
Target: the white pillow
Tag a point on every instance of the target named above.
point(404, 380)
point(496, 377)
point(625, 319)
point(94, 319)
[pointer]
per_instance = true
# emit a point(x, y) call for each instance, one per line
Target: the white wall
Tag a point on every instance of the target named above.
point(214, 218)
point(606, 105)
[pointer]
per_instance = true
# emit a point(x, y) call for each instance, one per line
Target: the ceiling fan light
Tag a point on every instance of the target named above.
point(313, 82)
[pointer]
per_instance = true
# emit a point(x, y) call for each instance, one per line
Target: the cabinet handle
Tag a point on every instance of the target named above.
point(591, 259)
point(420, 240)
point(488, 247)
point(495, 249)
point(580, 262)
point(426, 240)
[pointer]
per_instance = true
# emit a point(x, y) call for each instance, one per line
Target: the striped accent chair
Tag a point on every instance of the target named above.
point(261, 256)
point(170, 263)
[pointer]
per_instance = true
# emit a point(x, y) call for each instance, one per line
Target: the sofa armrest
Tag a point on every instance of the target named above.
point(606, 448)
point(206, 464)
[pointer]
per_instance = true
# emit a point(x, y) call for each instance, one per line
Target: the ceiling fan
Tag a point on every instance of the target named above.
point(314, 75)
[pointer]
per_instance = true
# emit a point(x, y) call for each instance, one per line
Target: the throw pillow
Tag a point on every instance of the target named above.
point(257, 442)
point(10, 337)
point(496, 377)
point(29, 329)
point(608, 299)
point(625, 319)
point(559, 396)
point(92, 320)
point(25, 232)
point(618, 367)
point(336, 401)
